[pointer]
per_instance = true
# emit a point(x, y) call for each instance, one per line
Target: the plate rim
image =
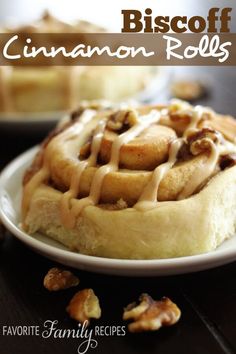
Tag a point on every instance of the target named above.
point(168, 266)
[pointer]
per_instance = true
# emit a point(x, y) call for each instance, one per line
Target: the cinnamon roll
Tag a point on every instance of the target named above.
point(59, 88)
point(140, 182)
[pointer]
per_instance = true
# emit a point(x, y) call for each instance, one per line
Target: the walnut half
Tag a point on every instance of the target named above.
point(150, 315)
point(201, 140)
point(58, 279)
point(121, 119)
point(84, 305)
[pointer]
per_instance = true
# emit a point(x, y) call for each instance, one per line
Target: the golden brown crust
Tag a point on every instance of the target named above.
point(129, 185)
point(191, 226)
point(142, 153)
point(96, 207)
point(137, 158)
point(226, 125)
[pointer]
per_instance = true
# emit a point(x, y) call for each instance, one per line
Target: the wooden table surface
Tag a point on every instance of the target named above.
point(207, 299)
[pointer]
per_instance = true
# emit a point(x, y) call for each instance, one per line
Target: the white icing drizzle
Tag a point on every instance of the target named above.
point(195, 118)
point(202, 173)
point(29, 188)
point(66, 216)
point(207, 169)
point(227, 148)
point(148, 198)
point(113, 165)
point(44, 173)
point(69, 211)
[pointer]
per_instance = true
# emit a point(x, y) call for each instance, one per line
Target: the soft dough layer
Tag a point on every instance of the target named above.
point(176, 228)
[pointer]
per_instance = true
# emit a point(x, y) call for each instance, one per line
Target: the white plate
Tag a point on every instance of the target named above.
point(10, 197)
point(30, 123)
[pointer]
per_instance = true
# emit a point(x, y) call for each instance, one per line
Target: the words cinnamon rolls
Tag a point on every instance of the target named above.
point(135, 182)
point(55, 88)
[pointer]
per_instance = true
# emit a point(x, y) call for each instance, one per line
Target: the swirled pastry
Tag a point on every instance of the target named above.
point(59, 88)
point(135, 182)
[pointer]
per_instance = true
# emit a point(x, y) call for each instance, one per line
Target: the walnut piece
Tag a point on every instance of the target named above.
point(200, 146)
point(120, 205)
point(201, 141)
point(59, 279)
point(84, 305)
point(188, 90)
point(150, 315)
point(122, 118)
point(205, 132)
point(227, 161)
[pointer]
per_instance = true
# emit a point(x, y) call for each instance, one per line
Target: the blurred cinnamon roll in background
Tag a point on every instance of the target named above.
point(59, 88)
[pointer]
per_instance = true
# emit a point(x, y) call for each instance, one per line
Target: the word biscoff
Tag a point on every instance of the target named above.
point(135, 21)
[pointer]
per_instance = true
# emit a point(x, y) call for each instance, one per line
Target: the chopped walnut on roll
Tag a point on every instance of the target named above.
point(137, 182)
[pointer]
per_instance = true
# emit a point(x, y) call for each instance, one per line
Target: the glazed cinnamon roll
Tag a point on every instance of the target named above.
point(135, 182)
point(59, 88)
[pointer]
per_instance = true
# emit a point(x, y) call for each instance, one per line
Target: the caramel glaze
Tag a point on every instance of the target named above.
point(214, 148)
